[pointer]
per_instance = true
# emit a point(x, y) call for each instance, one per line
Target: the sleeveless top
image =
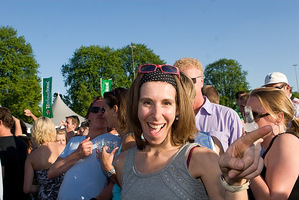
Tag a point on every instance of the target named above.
point(116, 191)
point(295, 192)
point(172, 182)
point(48, 187)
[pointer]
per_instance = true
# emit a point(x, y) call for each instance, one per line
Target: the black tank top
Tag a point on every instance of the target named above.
point(295, 192)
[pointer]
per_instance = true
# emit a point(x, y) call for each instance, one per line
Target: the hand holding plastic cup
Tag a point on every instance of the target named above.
point(110, 144)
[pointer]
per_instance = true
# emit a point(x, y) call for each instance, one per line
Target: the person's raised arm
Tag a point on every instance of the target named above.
point(61, 165)
point(28, 113)
point(18, 129)
point(106, 160)
point(242, 162)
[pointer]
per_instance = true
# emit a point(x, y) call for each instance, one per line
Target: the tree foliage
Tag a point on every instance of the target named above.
point(141, 54)
point(88, 65)
point(227, 77)
point(19, 84)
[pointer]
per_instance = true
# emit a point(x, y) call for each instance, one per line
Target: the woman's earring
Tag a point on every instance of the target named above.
point(177, 118)
point(275, 127)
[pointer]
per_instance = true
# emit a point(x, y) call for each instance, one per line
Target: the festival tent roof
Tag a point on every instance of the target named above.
point(61, 110)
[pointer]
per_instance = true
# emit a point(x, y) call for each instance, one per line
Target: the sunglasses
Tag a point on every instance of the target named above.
point(257, 116)
point(281, 86)
point(97, 109)
point(194, 79)
point(166, 69)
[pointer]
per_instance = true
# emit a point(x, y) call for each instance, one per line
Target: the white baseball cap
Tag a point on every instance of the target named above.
point(275, 77)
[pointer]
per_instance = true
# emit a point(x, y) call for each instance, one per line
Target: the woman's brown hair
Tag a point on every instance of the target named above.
point(183, 129)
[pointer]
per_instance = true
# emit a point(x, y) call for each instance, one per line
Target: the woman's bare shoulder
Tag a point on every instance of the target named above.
point(205, 158)
point(286, 139)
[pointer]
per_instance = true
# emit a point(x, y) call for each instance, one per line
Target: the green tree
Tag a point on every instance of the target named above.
point(19, 84)
point(227, 77)
point(295, 94)
point(89, 64)
point(82, 75)
point(141, 54)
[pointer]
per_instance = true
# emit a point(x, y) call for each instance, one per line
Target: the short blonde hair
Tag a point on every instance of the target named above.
point(185, 63)
point(43, 130)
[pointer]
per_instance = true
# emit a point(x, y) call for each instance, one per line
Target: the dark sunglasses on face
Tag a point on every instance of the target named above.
point(166, 69)
point(97, 109)
point(195, 78)
point(281, 86)
point(257, 116)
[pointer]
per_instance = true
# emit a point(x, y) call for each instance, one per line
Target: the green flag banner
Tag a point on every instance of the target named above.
point(47, 97)
point(105, 86)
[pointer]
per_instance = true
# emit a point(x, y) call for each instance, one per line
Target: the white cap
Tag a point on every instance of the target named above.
point(275, 77)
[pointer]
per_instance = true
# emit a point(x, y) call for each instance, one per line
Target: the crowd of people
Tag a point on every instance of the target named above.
point(166, 137)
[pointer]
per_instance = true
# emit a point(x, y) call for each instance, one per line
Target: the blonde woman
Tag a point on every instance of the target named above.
point(279, 178)
point(39, 161)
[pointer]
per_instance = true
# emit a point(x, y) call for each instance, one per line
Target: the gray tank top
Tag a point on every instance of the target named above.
point(172, 182)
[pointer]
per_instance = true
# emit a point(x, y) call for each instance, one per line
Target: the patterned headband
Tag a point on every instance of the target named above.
point(158, 76)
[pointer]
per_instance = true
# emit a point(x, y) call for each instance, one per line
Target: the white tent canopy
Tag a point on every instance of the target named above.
point(61, 110)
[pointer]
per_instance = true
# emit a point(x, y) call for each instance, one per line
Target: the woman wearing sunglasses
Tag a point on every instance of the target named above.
point(164, 165)
point(115, 106)
point(279, 178)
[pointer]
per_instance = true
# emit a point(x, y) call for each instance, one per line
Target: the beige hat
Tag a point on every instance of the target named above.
point(275, 77)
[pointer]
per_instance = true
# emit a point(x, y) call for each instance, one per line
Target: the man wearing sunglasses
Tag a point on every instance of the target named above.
point(83, 177)
point(220, 121)
point(280, 81)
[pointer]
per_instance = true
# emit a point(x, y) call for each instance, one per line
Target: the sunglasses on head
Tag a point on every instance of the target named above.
point(166, 69)
point(257, 116)
point(97, 109)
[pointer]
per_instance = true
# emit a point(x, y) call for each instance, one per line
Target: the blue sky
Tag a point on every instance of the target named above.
point(262, 35)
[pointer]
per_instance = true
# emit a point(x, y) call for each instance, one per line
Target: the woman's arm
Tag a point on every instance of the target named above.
point(282, 163)
point(119, 163)
point(106, 160)
point(204, 166)
point(28, 186)
point(209, 173)
point(242, 162)
point(28, 113)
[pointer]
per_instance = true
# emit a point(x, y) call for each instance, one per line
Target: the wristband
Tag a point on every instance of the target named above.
point(111, 172)
point(233, 188)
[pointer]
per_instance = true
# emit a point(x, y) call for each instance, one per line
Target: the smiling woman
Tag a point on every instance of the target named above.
point(279, 178)
point(162, 119)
